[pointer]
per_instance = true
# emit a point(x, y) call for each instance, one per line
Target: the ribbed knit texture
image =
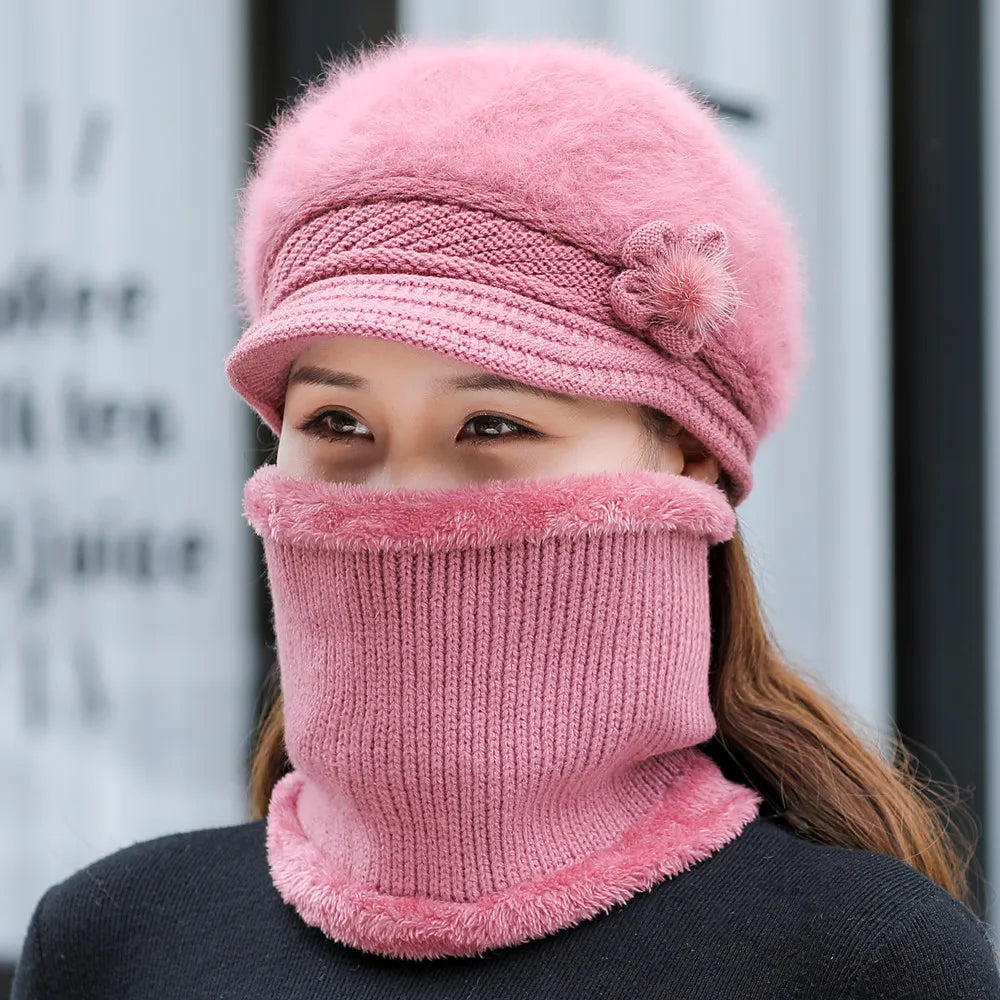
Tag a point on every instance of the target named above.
point(422, 236)
point(770, 916)
point(491, 739)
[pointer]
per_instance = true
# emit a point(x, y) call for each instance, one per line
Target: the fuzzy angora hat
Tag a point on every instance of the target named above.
point(551, 211)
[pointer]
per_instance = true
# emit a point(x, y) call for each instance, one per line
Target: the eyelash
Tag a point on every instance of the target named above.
point(314, 426)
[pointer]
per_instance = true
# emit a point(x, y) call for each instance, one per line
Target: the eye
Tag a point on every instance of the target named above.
point(334, 425)
point(338, 425)
point(491, 424)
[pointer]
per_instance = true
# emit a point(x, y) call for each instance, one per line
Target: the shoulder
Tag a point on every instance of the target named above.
point(91, 921)
point(166, 870)
point(932, 947)
point(882, 927)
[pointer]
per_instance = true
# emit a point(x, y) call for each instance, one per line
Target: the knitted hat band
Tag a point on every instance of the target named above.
point(422, 236)
point(493, 292)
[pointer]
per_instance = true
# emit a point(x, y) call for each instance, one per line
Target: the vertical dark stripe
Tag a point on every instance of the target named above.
point(938, 406)
point(290, 41)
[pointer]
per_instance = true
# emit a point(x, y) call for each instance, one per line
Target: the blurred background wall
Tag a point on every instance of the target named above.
point(126, 630)
point(133, 620)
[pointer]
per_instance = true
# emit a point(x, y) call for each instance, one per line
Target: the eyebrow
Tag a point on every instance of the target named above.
point(314, 375)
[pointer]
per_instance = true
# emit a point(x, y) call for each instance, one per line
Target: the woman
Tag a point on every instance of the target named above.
point(520, 319)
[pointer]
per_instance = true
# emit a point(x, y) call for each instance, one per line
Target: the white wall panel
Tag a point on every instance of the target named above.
point(125, 663)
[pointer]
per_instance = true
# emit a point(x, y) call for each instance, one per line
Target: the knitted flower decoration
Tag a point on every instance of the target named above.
point(675, 289)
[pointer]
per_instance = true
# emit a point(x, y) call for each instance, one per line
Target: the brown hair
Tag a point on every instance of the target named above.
point(779, 732)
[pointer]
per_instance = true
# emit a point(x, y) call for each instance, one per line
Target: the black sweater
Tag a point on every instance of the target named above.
point(771, 914)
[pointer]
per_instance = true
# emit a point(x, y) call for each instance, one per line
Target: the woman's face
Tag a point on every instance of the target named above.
point(384, 413)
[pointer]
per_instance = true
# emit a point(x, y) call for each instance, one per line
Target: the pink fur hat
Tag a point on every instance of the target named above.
point(551, 211)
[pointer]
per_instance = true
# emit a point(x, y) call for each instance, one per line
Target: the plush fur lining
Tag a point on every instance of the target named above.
point(333, 514)
point(700, 813)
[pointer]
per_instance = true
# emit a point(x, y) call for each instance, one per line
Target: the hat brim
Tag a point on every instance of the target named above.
point(494, 328)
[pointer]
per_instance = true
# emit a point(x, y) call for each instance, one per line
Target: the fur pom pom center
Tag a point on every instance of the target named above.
point(676, 289)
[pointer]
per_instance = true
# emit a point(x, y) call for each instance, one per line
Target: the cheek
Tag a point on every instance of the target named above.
point(296, 457)
point(599, 446)
point(669, 454)
point(619, 444)
point(285, 458)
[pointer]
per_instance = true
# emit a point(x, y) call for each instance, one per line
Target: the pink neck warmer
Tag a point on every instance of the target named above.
point(493, 695)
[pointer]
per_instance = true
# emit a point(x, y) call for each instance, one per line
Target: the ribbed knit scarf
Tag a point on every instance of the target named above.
point(493, 697)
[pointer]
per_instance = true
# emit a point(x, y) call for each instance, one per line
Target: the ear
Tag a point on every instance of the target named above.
point(699, 462)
